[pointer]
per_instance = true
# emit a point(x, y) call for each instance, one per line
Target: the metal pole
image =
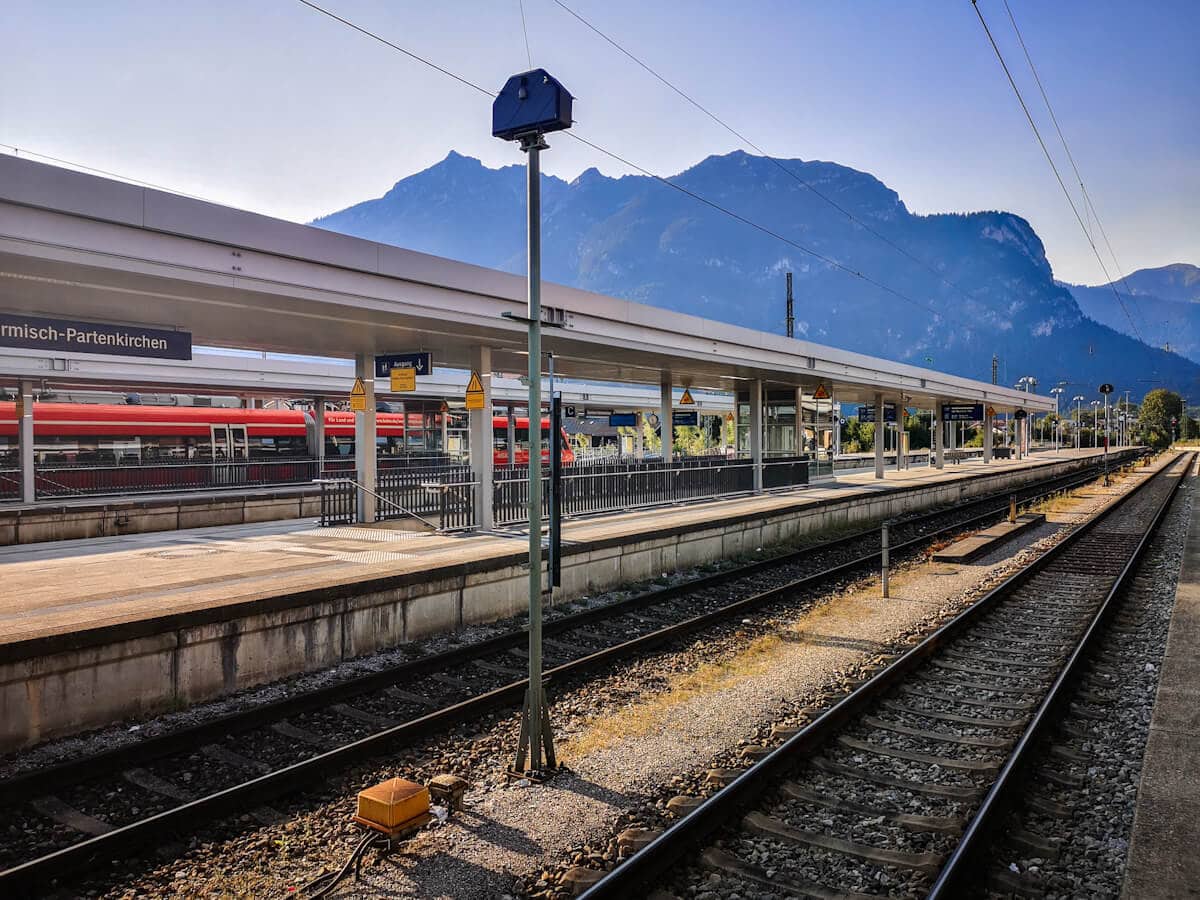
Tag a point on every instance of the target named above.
point(791, 318)
point(533, 146)
point(885, 560)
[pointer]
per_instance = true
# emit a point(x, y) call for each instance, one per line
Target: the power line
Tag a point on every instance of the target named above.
point(666, 181)
point(397, 47)
point(1053, 166)
point(525, 31)
point(777, 163)
point(1087, 199)
point(764, 229)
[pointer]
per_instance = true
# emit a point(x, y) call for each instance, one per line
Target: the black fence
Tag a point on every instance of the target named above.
point(608, 487)
point(91, 479)
point(442, 496)
point(10, 484)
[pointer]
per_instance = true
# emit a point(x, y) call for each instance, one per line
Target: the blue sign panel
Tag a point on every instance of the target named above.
point(962, 412)
point(685, 418)
point(68, 336)
point(867, 413)
point(622, 420)
point(422, 362)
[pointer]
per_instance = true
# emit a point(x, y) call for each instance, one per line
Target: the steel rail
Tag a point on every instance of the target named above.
point(49, 778)
point(644, 868)
point(188, 815)
point(958, 870)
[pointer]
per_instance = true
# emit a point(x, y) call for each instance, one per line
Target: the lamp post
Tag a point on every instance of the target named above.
point(1054, 392)
point(1095, 404)
point(1078, 401)
point(529, 106)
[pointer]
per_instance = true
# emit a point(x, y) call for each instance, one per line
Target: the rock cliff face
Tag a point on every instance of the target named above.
point(636, 238)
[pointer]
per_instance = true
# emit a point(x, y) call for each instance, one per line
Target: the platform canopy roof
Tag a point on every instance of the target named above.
point(77, 246)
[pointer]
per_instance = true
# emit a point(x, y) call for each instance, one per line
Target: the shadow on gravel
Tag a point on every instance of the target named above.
point(833, 640)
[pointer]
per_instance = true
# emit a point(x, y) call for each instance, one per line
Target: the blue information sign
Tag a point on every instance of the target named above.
point(685, 418)
point(422, 362)
point(962, 412)
point(867, 413)
point(622, 420)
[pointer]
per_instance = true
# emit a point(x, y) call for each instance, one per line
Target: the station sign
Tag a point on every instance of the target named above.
point(622, 420)
point(867, 413)
point(569, 412)
point(962, 412)
point(421, 362)
point(358, 396)
point(68, 336)
point(592, 413)
point(404, 379)
point(680, 419)
point(475, 392)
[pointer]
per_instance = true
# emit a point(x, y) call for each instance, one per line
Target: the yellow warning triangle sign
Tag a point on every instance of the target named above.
point(991, 412)
point(820, 393)
point(358, 396)
point(359, 389)
point(475, 385)
point(686, 398)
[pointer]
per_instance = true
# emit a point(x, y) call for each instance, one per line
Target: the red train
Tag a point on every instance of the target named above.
point(105, 435)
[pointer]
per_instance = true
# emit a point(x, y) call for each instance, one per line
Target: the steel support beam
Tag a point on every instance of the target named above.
point(756, 432)
point(987, 435)
point(25, 441)
point(880, 431)
point(665, 418)
point(317, 451)
point(365, 453)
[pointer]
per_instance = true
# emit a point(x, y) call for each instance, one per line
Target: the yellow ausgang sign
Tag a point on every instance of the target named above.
point(475, 392)
point(686, 398)
point(404, 380)
point(358, 396)
point(820, 393)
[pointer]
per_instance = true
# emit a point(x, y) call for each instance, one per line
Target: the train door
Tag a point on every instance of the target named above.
point(230, 451)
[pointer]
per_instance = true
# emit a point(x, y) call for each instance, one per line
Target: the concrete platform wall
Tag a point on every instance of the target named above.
point(67, 689)
point(147, 513)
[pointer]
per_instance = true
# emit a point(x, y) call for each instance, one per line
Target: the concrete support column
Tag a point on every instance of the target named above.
point(900, 432)
point(25, 441)
point(665, 418)
point(365, 453)
point(987, 435)
point(482, 454)
point(317, 451)
point(880, 433)
point(836, 421)
point(938, 430)
point(639, 448)
point(756, 432)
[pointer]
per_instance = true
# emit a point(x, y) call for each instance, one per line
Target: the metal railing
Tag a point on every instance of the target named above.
point(596, 488)
point(442, 497)
point(10, 484)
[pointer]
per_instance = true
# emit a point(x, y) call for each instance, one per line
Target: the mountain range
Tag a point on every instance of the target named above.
point(1164, 302)
point(947, 291)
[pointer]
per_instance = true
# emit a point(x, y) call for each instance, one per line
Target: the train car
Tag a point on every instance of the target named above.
point(108, 435)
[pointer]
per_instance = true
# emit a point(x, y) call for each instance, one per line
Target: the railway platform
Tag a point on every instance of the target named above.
point(95, 631)
point(1163, 864)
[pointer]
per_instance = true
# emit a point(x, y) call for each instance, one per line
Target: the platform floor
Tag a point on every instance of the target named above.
point(71, 586)
point(1163, 862)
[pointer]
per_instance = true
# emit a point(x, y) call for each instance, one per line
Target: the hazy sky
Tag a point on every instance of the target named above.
point(267, 105)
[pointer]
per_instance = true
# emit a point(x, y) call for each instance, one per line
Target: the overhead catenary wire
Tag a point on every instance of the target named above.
point(1053, 166)
point(525, 31)
point(779, 164)
point(1089, 207)
point(643, 170)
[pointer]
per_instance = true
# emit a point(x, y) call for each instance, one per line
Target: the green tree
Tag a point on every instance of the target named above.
point(1159, 407)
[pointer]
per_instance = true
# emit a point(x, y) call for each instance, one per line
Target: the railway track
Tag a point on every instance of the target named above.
point(899, 789)
point(63, 818)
